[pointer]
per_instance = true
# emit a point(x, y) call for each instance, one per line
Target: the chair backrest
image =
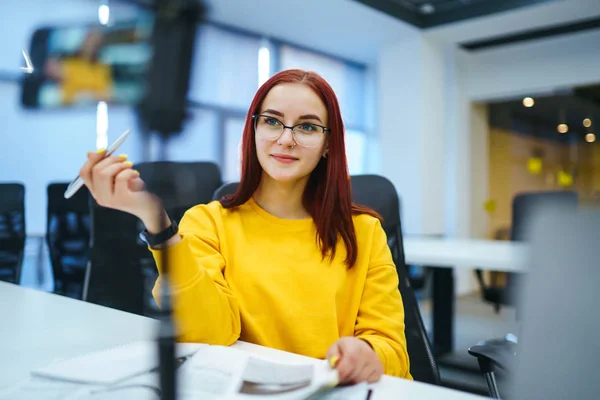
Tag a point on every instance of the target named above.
point(122, 271)
point(526, 206)
point(181, 185)
point(558, 354)
point(68, 229)
point(12, 228)
point(225, 189)
point(378, 193)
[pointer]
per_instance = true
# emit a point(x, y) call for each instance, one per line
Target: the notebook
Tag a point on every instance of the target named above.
point(112, 365)
point(209, 372)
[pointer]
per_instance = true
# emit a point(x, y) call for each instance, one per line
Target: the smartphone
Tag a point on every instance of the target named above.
point(80, 64)
point(77, 183)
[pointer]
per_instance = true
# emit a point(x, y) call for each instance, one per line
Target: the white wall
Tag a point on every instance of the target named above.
point(411, 77)
point(532, 67)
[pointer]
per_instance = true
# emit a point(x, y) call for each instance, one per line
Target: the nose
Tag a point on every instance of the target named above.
point(286, 138)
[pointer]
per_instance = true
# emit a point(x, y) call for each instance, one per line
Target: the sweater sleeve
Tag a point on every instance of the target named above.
point(380, 320)
point(204, 307)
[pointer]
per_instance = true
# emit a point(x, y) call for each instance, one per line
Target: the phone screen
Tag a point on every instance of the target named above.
point(85, 64)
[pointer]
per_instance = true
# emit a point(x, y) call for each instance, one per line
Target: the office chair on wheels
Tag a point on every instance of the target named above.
point(501, 353)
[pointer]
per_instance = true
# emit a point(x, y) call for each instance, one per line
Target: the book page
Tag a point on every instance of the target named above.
point(262, 377)
point(212, 372)
point(278, 381)
point(229, 373)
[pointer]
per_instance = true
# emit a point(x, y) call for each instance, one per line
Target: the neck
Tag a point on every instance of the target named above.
point(281, 199)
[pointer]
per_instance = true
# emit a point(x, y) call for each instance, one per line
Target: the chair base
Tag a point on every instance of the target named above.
point(490, 379)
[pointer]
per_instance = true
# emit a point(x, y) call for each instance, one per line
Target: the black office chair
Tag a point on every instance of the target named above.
point(225, 189)
point(68, 238)
point(122, 271)
point(378, 193)
point(12, 231)
point(502, 353)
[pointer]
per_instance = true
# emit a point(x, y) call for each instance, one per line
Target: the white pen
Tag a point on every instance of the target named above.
point(77, 183)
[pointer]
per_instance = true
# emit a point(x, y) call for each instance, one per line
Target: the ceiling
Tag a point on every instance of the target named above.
point(482, 24)
point(430, 13)
point(542, 119)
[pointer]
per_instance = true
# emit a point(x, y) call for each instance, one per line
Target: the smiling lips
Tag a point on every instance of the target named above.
point(284, 158)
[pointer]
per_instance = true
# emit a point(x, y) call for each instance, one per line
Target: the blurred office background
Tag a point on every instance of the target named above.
point(461, 104)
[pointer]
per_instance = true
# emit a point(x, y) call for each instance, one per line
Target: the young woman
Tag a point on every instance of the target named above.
point(287, 261)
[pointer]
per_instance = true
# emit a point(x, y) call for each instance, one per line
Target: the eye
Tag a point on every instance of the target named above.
point(307, 127)
point(271, 121)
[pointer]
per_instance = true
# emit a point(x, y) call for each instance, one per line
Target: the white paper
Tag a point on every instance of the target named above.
point(112, 365)
point(210, 373)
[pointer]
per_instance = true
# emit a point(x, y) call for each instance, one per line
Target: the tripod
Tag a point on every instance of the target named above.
point(162, 110)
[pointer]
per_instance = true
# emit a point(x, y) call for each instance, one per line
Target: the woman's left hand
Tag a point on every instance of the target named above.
point(355, 360)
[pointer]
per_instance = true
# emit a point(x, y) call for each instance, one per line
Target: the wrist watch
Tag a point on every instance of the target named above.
point(160, 237)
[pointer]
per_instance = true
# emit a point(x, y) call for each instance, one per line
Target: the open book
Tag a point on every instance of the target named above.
point(204, 372)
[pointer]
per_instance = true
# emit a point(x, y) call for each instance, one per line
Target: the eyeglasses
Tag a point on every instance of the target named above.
point(304, 133)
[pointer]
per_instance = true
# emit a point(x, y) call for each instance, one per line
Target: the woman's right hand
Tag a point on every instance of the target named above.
point(115, 184)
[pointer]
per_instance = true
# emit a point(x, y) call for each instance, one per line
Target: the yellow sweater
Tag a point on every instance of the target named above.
point(245, 274)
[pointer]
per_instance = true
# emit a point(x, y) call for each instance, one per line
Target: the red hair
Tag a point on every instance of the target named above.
point(327, 196)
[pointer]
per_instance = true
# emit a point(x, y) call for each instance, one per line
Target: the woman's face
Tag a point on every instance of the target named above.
point(285, 158)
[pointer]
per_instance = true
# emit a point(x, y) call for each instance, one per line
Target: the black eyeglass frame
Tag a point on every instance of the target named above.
point(284, 126)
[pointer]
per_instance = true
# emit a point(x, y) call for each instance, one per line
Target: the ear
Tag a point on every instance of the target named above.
point(325, 152)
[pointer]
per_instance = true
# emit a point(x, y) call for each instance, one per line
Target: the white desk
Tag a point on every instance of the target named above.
point(482, 254)
point(447, 254)
point(39, 327)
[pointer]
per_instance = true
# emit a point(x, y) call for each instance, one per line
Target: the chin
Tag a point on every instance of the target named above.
point(282, 176)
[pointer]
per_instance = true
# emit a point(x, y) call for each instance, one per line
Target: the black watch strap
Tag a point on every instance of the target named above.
point(160, 237)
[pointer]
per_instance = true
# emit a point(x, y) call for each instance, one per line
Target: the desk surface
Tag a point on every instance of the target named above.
point(466, 253)
point(39, 327)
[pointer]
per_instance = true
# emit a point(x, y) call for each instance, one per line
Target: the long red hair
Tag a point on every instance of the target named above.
point(328, 195)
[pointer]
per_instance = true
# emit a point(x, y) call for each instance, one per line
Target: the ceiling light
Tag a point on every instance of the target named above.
point(103, 14)
point(528, 102)
point(587, 122)
point(562, 128)
point(427, 9)
point(590, 138)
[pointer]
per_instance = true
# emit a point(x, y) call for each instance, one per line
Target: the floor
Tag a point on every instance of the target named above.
point(474, 321)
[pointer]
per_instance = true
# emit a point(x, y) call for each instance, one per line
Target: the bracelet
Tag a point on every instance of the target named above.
point(160, 237)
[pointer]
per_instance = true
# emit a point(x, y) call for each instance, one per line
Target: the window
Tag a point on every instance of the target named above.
point(234, 128)
point(198, 141)
point(225, 71)
point(356, 151)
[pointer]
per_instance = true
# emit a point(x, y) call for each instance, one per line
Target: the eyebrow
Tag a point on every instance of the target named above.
point(307, 116)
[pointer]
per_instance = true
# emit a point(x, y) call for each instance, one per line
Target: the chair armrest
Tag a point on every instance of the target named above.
point(499, 353)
